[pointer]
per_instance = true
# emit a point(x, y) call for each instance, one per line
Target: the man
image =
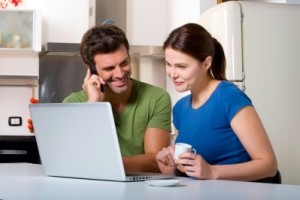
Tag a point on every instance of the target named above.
point(142, 112)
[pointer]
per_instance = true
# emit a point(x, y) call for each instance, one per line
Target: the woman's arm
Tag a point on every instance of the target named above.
point(251, 132)
point(249, 129)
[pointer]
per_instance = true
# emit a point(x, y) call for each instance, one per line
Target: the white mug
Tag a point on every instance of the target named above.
point(182, 148)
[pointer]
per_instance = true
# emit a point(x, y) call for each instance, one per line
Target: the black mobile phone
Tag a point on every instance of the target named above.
point(94, 71)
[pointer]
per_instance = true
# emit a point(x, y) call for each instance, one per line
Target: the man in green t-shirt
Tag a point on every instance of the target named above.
point(142, 112)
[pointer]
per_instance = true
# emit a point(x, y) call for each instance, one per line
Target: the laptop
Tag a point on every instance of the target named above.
point(79, 140)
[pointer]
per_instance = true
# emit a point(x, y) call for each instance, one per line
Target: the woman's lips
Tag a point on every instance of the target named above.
point(177, 83)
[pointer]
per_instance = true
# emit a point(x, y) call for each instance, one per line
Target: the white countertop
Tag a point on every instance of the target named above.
point(27, 181)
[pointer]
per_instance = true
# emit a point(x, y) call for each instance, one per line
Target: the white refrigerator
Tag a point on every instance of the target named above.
point(262, 48)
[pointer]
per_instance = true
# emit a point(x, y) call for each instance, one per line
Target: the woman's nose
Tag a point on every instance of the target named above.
point(172, 72)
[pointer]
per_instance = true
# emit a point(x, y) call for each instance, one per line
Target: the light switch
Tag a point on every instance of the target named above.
point(15, 121)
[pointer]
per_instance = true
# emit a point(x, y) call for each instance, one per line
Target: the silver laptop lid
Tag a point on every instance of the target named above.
point(78, 140)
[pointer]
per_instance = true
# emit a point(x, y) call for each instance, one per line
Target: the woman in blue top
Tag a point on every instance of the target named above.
point(216, 118)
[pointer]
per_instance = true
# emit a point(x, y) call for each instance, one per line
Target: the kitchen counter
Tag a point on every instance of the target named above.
point(28, 181)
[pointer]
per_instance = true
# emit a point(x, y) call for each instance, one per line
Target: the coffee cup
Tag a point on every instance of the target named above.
point(181, 148)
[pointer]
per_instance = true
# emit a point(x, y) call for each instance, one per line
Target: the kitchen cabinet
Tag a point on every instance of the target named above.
point(66, 21)
point(63, 21)
point(148, 23)
point(20, 30)
point(20, 42)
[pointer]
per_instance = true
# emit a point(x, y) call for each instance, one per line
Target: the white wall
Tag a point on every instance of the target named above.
point(277, 1)
point(146, 22)
point(149, 22)
point(180, 13)
point(14, 102)
point(66, 21)
point(26, 4)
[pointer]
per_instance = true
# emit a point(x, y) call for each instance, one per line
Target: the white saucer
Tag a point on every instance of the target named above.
point(164, 182)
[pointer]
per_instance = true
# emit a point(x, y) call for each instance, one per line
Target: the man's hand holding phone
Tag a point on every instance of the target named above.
point(93, 86)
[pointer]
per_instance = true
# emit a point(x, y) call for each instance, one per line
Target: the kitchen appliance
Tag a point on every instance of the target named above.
point(262, 44)
point(61, 71)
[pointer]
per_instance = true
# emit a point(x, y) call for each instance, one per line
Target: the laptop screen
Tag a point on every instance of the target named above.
point(78, 140)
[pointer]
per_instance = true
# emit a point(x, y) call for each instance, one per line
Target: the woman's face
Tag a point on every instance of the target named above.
point(186, 72)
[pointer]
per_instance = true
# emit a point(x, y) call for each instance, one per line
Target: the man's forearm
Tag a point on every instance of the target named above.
point(141, 163)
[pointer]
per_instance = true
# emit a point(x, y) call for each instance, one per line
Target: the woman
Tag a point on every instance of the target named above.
point(216, 118)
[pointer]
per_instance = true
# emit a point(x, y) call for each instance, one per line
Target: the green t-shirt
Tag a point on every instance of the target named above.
point(148, 107)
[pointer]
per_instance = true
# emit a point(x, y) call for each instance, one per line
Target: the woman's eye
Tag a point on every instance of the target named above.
point(181, 67)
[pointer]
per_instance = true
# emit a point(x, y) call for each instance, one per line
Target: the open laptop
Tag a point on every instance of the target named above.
point(79, 140)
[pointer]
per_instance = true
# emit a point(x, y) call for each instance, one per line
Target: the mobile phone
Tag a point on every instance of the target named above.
point(94, 71)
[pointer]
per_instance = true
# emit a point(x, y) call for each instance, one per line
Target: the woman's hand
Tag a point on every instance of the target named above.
point(165, 160)
point(194, 165)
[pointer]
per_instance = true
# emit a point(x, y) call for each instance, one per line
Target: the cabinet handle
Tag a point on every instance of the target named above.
point(13, 152)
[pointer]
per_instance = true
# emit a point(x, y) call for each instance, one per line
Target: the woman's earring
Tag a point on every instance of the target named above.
point(211, 73)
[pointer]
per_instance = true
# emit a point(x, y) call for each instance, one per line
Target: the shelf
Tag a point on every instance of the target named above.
point(7, 51)
point(18, 81)
point(151, 52)
point(60, 49)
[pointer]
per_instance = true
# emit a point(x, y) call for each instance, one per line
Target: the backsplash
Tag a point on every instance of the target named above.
point(14, 103)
